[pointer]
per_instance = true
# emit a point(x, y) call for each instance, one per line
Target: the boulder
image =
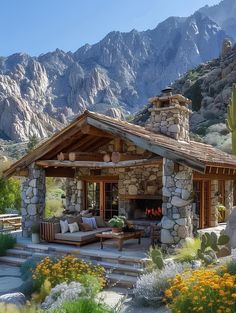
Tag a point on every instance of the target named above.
point(16, 298)
point(231, 228)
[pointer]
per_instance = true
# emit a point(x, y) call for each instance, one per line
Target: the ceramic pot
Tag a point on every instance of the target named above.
point(116, 230)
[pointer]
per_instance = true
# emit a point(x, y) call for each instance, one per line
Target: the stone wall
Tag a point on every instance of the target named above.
point(74, 194)
point(170, 121)
point(229, 197)
point(177, 203)
point(33, 198)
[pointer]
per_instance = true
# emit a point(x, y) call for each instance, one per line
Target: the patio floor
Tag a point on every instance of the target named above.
point(131, 248)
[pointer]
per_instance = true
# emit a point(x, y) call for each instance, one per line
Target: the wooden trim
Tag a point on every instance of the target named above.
point(99, 178)
point(199, 176)
point(148, 197)
point(59, 172)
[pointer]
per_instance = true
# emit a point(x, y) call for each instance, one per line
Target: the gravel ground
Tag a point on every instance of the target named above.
point(115, 297)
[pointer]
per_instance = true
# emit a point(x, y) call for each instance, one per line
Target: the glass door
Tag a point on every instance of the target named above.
point(202, 200)
point(101, 197)
point(111, 199)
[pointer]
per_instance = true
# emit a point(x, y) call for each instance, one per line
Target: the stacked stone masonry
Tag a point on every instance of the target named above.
point(33, 198)
point(177, 203)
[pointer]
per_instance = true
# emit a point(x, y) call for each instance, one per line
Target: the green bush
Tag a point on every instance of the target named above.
point(10, 195)
point(7, 241)
point(231, 267)
point(90, 283)
point(83, 305)
point(53, 207)
point(188, 252)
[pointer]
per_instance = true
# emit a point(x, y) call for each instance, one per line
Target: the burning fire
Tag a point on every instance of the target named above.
point(154, 212)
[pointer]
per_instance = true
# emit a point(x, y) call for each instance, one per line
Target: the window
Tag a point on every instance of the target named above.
point(93, 197)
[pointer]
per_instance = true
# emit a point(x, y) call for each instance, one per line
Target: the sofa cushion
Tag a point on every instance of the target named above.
point(74, 227)
point(85, 227)
point(74, 219)
point(80, 235)
point(64, 226)
point(91, 221)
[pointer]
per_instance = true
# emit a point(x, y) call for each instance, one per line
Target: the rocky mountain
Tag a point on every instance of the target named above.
point(209, 87)
point(38, 95)
point(224, 14)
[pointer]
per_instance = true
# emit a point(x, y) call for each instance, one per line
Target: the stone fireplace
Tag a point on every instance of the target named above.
point(144, 209)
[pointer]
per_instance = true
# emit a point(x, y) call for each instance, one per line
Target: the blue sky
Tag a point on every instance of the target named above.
point(39, 26)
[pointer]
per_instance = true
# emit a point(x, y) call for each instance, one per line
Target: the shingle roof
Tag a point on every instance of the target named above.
point(189, 153)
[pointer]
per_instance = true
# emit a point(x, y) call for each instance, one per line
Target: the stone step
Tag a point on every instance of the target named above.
point(88, 254)
point(118, 280)
point(120, 268)
point(12, 260)
point(20, 253)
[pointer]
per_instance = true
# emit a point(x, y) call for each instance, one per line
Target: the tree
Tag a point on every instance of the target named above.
point(10, 195)
point(33, 141)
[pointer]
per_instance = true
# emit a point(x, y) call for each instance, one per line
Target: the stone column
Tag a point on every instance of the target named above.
point(74, 194)
point(214, 201)
point(33, 198)
point(177, 203)
point(229, 197)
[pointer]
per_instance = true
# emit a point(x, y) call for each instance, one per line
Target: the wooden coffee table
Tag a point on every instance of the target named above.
point(120, 237)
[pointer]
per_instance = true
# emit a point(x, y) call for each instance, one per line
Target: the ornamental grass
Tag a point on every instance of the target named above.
point(66, 269)
point(203, 290)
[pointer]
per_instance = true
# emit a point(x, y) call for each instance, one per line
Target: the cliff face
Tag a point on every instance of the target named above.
point(115, 76)
point(209, 87)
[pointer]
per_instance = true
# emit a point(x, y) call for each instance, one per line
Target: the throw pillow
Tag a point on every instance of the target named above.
point(73, 227)
point(64, 226)
point(85, 227)
point(91, 221)
point(100, 221)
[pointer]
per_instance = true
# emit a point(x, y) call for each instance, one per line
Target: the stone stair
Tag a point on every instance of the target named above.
point(121, 271)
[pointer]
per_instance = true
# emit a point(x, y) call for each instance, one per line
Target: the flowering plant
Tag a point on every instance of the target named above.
point(66, 269)
point(203, 290)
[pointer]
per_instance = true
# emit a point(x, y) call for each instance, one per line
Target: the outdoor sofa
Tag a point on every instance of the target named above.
point(50, 231)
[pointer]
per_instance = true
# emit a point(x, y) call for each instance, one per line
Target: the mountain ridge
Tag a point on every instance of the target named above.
point(116, 76)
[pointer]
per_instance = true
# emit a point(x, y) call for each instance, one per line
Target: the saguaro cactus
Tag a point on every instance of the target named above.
point(231, 118)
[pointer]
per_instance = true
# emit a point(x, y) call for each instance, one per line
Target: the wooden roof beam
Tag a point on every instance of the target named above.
point(90, 130)
point(91, 164)
point(146, 144)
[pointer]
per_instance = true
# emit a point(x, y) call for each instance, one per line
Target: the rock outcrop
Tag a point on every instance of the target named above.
point(38, 95)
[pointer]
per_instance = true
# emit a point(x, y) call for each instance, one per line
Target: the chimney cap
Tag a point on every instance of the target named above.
point(167, 89)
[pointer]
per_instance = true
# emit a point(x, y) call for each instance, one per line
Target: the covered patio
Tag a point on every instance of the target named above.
point(116, 168)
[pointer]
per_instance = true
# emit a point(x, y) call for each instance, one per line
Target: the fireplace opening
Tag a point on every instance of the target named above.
point(147, 209)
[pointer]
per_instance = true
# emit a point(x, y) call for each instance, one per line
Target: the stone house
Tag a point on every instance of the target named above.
point(114, 167)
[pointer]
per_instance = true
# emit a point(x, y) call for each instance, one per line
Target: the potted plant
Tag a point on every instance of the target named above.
point(117, 223)
point(221, 212)
point(35, 233)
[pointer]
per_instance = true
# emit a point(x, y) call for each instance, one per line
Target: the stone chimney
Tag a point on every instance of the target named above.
point(170, 115)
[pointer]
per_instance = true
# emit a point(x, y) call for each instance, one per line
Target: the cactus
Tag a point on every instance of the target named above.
point(210, 246)
point(231, 118)
point(157, 258)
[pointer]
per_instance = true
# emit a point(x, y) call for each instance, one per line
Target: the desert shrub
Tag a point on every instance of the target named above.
point(202, 290)
point(231, 267)
point(188, 252)
point(66, 269)
point(150, 287)
point(53, 207)
point(26, 269)
point(7, 241)
point(62, 293)
point(83, 305)
point(91, 284)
